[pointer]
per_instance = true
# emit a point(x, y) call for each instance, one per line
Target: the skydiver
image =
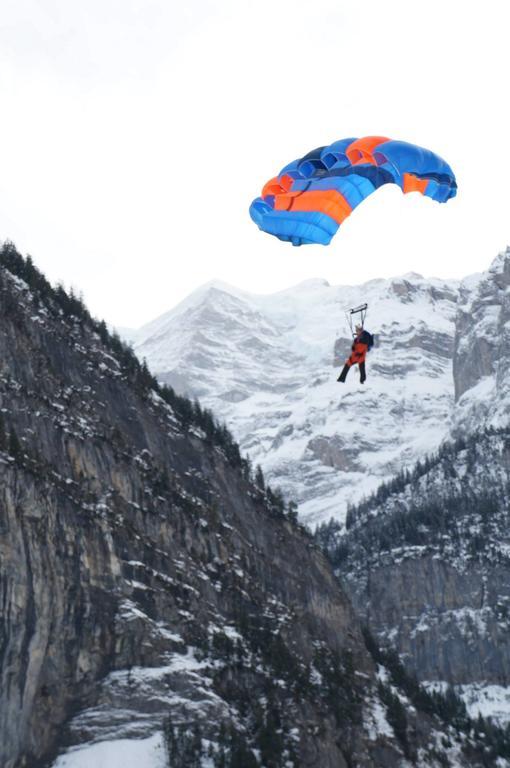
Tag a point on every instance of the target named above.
point(363, 342)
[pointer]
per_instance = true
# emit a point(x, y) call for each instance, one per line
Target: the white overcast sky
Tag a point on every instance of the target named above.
point(135, 133)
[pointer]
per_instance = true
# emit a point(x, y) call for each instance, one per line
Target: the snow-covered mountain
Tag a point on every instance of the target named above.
point(268, 365)
point(482, 350)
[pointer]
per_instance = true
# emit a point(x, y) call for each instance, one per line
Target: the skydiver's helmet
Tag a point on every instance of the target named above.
point(359, 329)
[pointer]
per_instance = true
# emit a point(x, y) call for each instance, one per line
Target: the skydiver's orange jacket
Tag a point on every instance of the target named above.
point(358, 354)
point(360, 347)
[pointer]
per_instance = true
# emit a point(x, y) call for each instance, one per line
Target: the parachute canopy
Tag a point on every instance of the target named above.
point(311, 197)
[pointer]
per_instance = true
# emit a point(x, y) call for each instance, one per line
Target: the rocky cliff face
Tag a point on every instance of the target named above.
point(146, 583)
point(481, 360)
point(427, 563)
point(268, 365)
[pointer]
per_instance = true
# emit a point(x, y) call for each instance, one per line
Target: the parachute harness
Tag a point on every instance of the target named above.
point(350, 315)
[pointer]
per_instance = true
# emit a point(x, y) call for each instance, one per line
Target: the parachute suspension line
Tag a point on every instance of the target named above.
point(352, 320)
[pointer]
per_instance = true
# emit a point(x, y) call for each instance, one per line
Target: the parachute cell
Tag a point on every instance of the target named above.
point(312, 196)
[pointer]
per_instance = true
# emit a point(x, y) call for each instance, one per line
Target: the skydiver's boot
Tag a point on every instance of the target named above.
point(362, 373)
point(345, 371)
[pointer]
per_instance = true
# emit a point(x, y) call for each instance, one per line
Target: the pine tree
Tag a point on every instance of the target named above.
point(292, 511)
point(350, 518)
point(259, 478)
point(220, 758)
point(270, 741)
point(3, 434)
point(396, 715)
point(169, 739)
point(15, 448)
point(247, 468)
point(241, 755)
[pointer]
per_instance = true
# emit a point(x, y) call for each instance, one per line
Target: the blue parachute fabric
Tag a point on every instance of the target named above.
point(309, 227)
point(312, 196)
point(334, 154)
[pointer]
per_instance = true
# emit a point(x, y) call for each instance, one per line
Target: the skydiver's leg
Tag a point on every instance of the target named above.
point(345, 371)
point(362, 373)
